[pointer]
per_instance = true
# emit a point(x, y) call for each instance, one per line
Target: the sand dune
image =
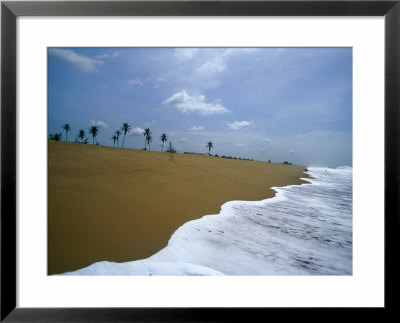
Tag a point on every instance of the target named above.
point(121, 205)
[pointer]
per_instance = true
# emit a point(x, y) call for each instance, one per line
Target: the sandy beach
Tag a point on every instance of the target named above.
point(121, 205)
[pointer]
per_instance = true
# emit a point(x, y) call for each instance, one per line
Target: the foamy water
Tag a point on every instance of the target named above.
point(304, 230)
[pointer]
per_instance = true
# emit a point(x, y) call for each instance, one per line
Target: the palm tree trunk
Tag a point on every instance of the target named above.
point(123, 139)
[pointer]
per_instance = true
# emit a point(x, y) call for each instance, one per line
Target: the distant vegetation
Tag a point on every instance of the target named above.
point(56, 136)
point(171, 149)
point(230, 157)
point(94, 130)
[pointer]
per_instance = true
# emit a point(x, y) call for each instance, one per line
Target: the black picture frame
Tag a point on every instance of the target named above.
point(10, 10)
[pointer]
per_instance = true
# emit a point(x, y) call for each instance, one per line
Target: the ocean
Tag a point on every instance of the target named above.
point(304, 230)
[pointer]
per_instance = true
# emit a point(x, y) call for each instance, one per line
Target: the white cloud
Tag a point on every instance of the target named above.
point(82, 62)
point(196, 128)
point(239, 145)
point(268, 140)
point(237, 125)
point(134, 82)
point(185, 54)
point(99, 123)
point(216, 64)
point(115, 54)
point(184, 141)
point(292, 151)
point(196, 104)
point(102, 56)
point(136, 131)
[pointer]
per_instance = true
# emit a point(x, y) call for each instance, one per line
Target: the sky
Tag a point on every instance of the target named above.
point(277, 104)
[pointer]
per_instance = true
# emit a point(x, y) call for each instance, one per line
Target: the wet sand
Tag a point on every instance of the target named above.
point(122, 205)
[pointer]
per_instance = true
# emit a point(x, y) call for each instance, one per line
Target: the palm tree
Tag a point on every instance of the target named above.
point(67, 128)
point(117, 134)
point(163, 138)
point(209, 146)
point(146, 133)
point(125, 128)
point(93, 130)
point(149, 139)
point(114, 138)
point(81, 135)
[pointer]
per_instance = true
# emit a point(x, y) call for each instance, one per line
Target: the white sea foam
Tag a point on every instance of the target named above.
point(304, 230)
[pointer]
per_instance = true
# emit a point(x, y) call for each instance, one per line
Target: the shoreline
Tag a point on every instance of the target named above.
point(120, 205)
point(253, 230)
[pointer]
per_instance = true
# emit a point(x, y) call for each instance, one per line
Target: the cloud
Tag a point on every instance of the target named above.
point(292, 151)
point(268, 140)
point(196, 128)
point(239, 145)
point(99, 123)
point(237, 125)
point(82, 62)
point(185, 54)
point(134, 82)
point(184, 141)
point(196, 104)
point(136, 131)
point(115, 54)
point(217, 63)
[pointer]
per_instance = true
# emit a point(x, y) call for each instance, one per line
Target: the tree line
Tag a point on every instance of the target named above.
point(94, 130)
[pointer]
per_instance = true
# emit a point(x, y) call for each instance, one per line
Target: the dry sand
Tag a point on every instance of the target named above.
point(121, 205)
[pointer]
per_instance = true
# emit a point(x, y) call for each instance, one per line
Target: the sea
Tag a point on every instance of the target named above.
point(305, 229)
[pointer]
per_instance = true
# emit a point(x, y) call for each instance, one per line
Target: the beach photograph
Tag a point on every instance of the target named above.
point(200, 161)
